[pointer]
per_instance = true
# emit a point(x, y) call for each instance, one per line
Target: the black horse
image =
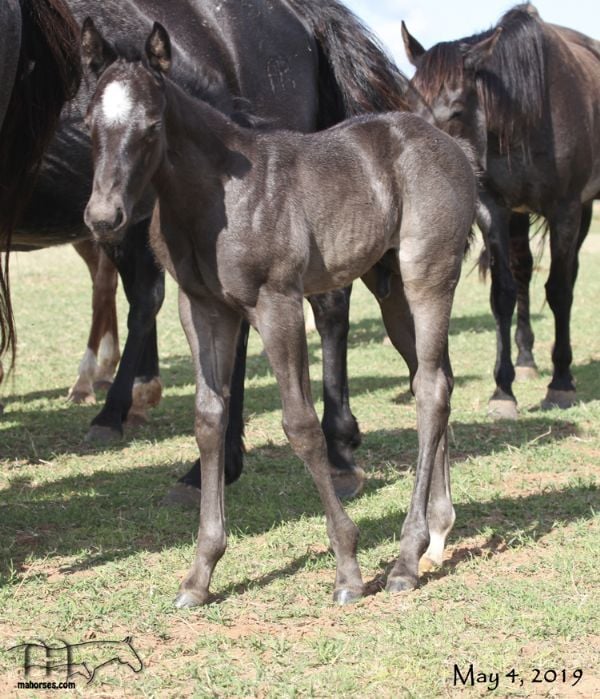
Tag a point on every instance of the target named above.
point(39, 71)
point(526, 94)
point(301, 64)
point(248, 223)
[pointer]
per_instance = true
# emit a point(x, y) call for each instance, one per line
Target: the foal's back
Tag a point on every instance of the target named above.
point(324, 208)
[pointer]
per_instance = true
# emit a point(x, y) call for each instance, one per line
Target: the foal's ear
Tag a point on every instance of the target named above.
point(158, 48)
point(97, 54)
point(414, 50)
point(477, 55)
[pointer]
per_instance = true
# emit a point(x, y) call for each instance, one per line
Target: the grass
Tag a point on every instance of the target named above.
point(88, 552)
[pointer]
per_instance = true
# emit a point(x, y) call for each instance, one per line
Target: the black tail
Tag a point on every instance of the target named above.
point(48, 75)
point(356, 75)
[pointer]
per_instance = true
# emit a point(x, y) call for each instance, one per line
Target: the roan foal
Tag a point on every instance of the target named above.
point(248, 223)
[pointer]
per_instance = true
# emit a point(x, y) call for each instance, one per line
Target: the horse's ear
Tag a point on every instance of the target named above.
point(476, 56)
point(158, 49)
point(97, 54)
point(414, 50)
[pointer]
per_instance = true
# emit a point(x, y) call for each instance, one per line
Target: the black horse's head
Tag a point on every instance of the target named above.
point(446, 79)
point(125, 118)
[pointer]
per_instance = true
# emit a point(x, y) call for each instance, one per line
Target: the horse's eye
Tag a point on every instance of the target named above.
point(457, 114)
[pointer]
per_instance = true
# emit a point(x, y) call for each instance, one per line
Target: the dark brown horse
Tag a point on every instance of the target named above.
point(248, 223)
point(39, 72)
point(526, 94)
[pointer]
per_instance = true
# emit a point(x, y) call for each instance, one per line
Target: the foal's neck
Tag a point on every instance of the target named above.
point(200, 135)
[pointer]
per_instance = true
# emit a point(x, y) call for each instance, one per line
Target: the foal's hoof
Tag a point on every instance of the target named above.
point(346, 595)
point(182, 495)
point(526, 373)
point(401, 584)
point(186, 599)
point(81, 398)
point(503, 410)
point(559, 399)
point(99, 434)
point(348, 483)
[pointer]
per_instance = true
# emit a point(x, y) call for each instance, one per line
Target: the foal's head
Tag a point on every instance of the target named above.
point(125, 118)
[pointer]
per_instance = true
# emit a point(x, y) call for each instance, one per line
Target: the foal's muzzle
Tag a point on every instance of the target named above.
point(105, 218)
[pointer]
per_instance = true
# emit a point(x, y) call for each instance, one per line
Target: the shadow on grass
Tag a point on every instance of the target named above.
point(59, 429)
point(108, 515)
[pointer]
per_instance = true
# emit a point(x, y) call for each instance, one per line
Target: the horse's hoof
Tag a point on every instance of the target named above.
point(99, 434)
point(186, 599)
point(347, 595)
point(81, 398)
point(348, 483)
point(182, 495)
point(503, 410)
point(526, 373)
point(559, 399)
point(102, 385)
point(401, 584)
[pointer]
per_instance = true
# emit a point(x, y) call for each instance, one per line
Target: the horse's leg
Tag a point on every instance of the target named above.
point(211, 330)
point(102, 355)
point(143, 283)
point(339, 424)
point(568, 227)
point(521, 262)
point(430, 515)
point(280, 321)
point(187, 489)
point(494, 222)
point(400, 327)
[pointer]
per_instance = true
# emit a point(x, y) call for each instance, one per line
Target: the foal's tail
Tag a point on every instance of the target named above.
point(47, 76)
point(356, 76)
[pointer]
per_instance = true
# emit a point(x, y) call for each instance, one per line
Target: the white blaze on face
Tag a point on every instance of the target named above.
point(117, 104)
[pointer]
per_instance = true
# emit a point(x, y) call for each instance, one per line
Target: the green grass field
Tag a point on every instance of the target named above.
point(87, 552)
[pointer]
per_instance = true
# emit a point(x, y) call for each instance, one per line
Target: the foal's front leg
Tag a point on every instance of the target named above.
point(279, 319)
point(212, 330)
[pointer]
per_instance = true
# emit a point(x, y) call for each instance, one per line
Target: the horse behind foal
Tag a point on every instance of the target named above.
point(248, 223)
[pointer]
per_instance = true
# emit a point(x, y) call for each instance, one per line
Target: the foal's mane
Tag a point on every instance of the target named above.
point(511, 85)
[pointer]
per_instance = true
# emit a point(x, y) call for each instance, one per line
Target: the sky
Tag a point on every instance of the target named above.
point(431, 21)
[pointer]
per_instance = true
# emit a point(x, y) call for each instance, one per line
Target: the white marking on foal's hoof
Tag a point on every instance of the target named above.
point(348, 483)
point(347, 595)
point(526, 373)
point(503, 410)
point(559, 399)
point(186, 599)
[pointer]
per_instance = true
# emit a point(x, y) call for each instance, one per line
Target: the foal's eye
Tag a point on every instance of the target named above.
point(457, 114)
point(154, 128)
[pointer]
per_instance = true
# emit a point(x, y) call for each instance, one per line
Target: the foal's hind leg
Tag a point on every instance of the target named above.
point(339, 424)
point(400, 327)
point(432, 385)
point(280, 320)
point(212, 331)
